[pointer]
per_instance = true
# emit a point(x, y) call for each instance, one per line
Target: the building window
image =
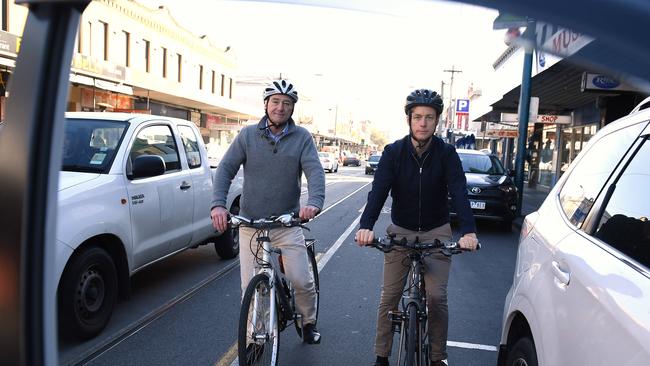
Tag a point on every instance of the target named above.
point(164, 62)
point(223, 83)
point(105, 39)
point(200, 77)
point(230, 88)
point(127, 49)
point(147, 55)
point(180, 67)
point(213, 81)
point(90, 38)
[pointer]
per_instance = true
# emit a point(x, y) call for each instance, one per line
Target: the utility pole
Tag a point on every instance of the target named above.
point(451, 86)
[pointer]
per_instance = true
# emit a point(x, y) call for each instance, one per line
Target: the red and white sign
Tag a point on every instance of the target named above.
point(541, 118)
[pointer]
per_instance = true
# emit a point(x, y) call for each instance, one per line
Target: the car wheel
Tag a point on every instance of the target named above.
point(337, 169)
point(227, 244)
point(522, 353)
point(87, 293)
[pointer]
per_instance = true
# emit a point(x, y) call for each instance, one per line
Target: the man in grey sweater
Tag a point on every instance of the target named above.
point(275, 153)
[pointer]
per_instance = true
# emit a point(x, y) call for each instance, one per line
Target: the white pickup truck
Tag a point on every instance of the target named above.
point(133, 189)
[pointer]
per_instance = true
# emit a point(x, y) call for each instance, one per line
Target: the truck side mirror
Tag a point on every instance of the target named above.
point(148, 166)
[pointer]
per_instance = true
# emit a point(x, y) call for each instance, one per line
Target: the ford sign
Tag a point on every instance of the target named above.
point(605, 82)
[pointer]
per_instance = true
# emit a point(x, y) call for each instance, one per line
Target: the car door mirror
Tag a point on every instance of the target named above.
point(145, 166)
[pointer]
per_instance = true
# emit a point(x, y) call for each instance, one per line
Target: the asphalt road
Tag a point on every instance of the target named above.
point(184, 310)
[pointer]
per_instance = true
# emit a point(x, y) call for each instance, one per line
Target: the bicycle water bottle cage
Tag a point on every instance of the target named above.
point(261, 239)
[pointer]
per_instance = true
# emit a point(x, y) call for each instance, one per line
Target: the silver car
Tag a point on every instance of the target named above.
point(581, 289)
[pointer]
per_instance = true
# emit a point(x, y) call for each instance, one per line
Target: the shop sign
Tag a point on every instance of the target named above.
point(98, 67)
point(9, 43)
point(560, 41)
point(600, 82)
point(503, 133)
point(541, 118)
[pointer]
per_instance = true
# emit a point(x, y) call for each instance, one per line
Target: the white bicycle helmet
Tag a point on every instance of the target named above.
point(281, 87)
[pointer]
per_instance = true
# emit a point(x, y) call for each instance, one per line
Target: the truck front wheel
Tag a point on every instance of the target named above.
point(87, 293)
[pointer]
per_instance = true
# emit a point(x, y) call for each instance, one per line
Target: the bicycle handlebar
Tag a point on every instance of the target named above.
point(388, 244)
point(285, 220)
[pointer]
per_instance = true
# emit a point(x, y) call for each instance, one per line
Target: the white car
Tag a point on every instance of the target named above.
point(329, 161)
point(581, 287)
point(133, 189)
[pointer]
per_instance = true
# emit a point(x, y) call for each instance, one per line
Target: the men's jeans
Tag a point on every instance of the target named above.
point(436, 274)
point(291, 241)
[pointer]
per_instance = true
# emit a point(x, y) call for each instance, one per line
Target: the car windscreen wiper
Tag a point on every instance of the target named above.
point(80, 168)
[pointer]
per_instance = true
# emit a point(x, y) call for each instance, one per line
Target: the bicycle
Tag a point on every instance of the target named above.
point(268, 305)
point(412, 315)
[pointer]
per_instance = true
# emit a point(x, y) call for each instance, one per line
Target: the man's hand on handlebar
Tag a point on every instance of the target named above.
point(308, 212)
point(364, 237)
point(219, 216)
point(468, 241)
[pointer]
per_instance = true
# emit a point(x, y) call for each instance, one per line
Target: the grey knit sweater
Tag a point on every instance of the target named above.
point(272, 171)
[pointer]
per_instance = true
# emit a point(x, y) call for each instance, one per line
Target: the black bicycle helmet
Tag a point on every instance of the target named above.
point(424, 97)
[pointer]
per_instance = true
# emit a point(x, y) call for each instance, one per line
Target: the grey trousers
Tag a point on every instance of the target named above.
point(294, 256)
point(396, 268)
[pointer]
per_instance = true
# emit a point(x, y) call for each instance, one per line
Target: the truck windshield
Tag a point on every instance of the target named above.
point(90, 144)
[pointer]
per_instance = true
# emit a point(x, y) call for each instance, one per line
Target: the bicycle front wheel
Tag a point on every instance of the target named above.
point(411, 336)
point(259, 339)
point(313, 270)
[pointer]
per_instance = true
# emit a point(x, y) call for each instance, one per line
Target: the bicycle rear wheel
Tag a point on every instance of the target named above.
point(410, 344)
point(313, 269)
point(258, 341)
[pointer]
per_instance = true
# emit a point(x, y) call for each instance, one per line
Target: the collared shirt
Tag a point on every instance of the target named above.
point(275, 137)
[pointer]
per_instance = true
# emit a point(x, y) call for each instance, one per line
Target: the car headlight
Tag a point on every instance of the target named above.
point(508, 189)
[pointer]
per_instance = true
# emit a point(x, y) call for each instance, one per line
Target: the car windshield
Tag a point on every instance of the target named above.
point(323, 155)
point(481, 164)
point(374, 158)
point(90, 145)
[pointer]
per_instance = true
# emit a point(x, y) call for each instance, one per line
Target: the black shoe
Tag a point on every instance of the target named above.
point(253, 352)
point(439, 363)
point(310, 334)
point(381, 361)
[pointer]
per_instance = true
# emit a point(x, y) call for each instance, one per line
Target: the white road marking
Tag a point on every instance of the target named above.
point(472, 346)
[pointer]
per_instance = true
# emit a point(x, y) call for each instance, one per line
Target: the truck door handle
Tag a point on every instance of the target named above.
point(185, 186)
point(562, 277)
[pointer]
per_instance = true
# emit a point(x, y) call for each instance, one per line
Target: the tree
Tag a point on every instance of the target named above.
point(378, 137)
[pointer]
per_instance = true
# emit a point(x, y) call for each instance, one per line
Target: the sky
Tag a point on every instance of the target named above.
point(362, 62)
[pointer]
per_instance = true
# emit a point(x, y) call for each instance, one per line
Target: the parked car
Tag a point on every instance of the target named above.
point(581, 286)
point(351, 159)
point(491, 191)
point(133, 189)
point(329, 161)
point(371, 164)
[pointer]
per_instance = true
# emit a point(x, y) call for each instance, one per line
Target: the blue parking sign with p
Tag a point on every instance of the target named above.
point(462, 105)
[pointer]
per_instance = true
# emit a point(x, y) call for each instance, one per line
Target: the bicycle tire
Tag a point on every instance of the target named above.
point(411, 336)
point(314, 270)
point(265, 353)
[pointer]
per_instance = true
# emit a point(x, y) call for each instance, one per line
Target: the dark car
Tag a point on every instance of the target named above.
point(371, 165)
point(351, 159)
point(491, 191)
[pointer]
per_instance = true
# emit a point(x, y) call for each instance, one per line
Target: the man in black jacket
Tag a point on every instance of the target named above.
point(419, 171)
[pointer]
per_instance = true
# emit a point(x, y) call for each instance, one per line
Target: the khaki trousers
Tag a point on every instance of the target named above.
point(291, 241)
point(436, 274)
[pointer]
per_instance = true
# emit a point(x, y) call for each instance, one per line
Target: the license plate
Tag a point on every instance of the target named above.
point(477, 205)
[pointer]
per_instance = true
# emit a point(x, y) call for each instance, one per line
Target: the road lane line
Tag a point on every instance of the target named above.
point(341, 200)
point(472, 346)
point(330, 252)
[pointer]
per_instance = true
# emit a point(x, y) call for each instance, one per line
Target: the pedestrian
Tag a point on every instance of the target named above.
point(275, 153)
point(419, 170)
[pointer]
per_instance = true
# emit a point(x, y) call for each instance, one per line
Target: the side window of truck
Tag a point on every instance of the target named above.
point(157, 140)
point(191, 146)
